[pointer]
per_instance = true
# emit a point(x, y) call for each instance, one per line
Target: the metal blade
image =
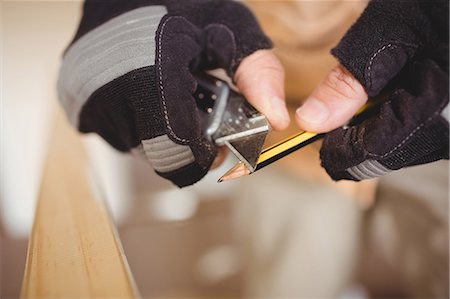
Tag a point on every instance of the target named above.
point(248, 149)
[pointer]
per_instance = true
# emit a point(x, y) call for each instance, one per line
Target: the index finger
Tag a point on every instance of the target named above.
point(260, 78)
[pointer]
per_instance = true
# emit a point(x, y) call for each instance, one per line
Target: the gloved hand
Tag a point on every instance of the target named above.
point(396, 46)
point(127, 75)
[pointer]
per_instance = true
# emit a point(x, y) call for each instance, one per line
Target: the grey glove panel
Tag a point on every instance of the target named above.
point(123, 44)
point(113, 49)
point(165, 155)
point(367, 170)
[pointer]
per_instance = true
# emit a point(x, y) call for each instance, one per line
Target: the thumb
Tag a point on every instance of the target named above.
point(333, 103)
point(260, 78)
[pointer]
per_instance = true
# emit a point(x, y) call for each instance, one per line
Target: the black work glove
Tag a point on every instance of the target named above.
point(400, 47)
point(128, 75)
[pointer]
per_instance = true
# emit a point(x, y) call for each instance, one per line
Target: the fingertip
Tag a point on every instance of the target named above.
point(280, 124)
point(333, 103)
point(313, 115)
point(260, 78)
point(278, 116)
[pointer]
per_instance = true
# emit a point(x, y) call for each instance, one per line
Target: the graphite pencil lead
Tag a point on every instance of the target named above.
point(238, 170)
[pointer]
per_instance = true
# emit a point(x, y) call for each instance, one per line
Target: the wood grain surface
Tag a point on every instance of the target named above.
point(74, 250)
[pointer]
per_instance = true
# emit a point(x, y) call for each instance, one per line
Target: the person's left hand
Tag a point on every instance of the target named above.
point(410, 63)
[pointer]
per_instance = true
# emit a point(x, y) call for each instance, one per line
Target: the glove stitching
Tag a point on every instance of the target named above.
point(369, 67)
point(166, 117)
point(385, 47)
point(419, 127)
point(163, 98)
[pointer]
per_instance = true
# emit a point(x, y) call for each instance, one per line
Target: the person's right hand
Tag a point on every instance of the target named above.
point(128, 76)
point(400, 47)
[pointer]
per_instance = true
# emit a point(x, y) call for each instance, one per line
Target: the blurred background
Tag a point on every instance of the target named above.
point(287, 231)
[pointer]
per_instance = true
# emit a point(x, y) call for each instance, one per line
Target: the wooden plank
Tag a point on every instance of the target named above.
point(74, 250)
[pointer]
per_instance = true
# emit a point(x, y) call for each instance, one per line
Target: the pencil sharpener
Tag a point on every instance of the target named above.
point(229, 120)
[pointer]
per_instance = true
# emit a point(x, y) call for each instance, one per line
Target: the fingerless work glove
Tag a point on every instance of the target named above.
point(127, 75)
point(400, 47)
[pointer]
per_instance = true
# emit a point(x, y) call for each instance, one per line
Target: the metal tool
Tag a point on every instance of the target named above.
point(294, 143)
point(228, 119)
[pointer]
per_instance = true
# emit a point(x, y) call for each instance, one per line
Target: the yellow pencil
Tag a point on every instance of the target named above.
point(285, 147)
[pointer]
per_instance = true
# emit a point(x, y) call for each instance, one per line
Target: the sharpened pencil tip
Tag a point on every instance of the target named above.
point(238, 170)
